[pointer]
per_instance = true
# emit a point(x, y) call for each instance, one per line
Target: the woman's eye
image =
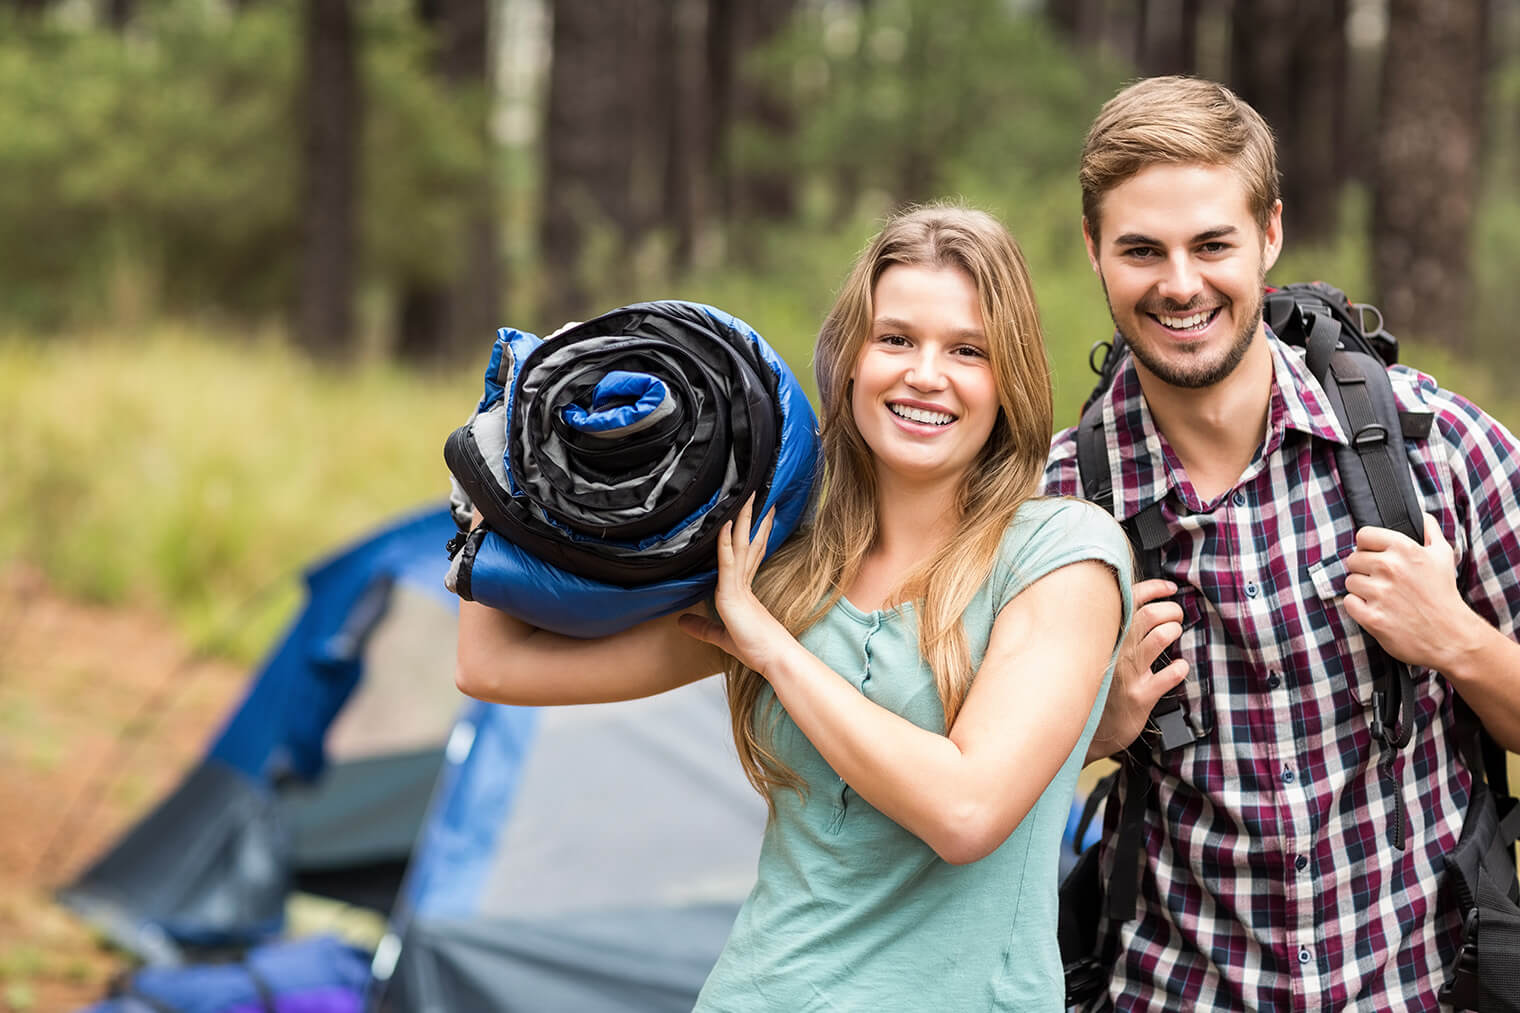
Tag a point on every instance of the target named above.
point(893, 339)
point(971, 351)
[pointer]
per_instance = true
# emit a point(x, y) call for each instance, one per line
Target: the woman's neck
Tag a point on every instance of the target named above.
point(913, 522)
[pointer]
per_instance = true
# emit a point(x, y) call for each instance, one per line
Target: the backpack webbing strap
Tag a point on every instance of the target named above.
point(1124, 881)
point(1375, 480)
point(1092, 458)
point(1147, 534)
point(1360, 383)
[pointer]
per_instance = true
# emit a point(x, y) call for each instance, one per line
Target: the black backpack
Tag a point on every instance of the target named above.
point(1350, 361)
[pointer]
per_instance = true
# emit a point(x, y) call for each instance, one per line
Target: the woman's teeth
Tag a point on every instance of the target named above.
point(922, 415)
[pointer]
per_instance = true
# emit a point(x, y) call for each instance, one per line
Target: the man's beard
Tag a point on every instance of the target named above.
point(1192, 374)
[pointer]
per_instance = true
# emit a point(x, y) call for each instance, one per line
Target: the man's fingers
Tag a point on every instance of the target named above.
point(1434, 536)
point(1375, 539)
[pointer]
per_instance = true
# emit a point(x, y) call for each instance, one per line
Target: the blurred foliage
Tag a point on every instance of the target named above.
point(154, 176)
point(194, 475)
point(158, 172)
point(917, 98)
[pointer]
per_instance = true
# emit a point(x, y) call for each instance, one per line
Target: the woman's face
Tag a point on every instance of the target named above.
point(924, 396)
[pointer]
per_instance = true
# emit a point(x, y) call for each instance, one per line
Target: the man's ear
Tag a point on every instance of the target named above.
point(1272, 238)
point(1091, 242)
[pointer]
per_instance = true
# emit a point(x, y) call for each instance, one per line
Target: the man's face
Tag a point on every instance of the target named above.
point(1182, 262)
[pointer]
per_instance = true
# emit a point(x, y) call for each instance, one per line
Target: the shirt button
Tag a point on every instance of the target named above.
point(1251, 589)
point(1273, 680)
point(1301, 863)
point(1287, 775)
point(1239, 499)
point(1304, 955)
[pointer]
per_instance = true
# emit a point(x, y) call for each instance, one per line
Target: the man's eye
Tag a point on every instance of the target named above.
point(1215, 248)
point(1140, 253)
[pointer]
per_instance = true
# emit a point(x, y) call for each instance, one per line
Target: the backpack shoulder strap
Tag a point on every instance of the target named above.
point(1374, 476)
point(1092, 457)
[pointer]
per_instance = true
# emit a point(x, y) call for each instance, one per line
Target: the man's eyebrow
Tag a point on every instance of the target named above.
point(1206, 236)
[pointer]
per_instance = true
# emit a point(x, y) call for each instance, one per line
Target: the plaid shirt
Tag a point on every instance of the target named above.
point(1271, 881)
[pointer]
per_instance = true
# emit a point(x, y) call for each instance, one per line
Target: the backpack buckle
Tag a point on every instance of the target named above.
point(1461, 988)
point(1085, 979)
point(1369, 436)
point(1386, 729)
point(1172, 722)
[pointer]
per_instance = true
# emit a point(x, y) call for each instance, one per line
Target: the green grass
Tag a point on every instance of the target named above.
point(191, 474)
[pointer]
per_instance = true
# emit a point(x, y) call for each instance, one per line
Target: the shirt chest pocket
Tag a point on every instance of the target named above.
point(1336, 638)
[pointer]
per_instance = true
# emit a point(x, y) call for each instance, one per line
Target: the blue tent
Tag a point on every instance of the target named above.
point(583, 858)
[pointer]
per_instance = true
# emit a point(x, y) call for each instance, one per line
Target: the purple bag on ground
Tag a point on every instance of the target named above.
point(321, 974)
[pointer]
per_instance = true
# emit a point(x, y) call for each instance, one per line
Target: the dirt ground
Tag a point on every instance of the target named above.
point(101, 711)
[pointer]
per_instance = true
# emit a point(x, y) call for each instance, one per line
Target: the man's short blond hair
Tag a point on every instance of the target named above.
point(1178, 121)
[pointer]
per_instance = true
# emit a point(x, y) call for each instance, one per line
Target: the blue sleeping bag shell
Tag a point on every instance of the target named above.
point(606, 459)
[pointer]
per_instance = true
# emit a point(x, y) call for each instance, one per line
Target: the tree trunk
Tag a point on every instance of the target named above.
point(324, 311)
point(1426, 178)
point(1081, 21)
point(1168, 37)
point(1315, 169)
point(1288, 60)
point(681, 92)
point(440, 323)
point(119, 13)
point(591, 121)
point(743, 98)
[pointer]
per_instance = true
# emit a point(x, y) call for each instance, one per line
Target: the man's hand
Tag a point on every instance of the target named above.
point(1135, 689)
point(1405, 594)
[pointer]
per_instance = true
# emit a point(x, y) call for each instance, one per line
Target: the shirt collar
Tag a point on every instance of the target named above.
point(1144, 468)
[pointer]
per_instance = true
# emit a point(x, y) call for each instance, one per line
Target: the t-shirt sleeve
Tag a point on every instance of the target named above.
point(1051, 533)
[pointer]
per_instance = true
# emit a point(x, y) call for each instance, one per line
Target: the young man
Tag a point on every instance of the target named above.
point(1278, 869)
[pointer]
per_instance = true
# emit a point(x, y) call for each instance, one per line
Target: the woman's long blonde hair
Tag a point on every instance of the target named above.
point(804, 579)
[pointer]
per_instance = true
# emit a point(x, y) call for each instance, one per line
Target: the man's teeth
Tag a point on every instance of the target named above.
point(1187, 323)
point(920, 415)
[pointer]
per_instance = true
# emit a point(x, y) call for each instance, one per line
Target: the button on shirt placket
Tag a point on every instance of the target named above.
point(1285, 764)
point(859, 683)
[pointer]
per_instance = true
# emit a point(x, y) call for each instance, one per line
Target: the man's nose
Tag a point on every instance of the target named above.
point(1181, 282)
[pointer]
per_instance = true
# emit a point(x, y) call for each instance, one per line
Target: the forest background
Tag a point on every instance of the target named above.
point(253, 252)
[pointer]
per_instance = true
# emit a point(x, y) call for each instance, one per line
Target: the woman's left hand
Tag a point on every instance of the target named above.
point(748, 631)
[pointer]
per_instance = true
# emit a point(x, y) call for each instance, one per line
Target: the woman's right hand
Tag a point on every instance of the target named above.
point(748, 631)
point(1135, 688)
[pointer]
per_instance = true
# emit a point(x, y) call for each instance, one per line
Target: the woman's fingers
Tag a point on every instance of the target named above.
point(762, 539)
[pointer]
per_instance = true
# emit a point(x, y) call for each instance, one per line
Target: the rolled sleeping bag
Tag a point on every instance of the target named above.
point(605, 460)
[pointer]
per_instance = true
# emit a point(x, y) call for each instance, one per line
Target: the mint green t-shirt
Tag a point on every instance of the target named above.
point(850, 911)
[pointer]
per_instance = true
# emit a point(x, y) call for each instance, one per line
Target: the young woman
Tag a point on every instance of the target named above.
point(915, 675)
